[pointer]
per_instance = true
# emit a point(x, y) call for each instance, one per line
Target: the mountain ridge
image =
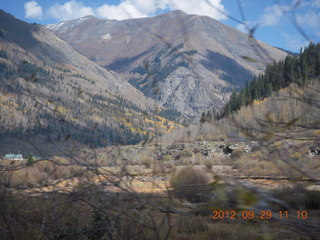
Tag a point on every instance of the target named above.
point(203, 59)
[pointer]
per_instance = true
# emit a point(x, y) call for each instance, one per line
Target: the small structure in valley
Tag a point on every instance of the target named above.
point(10, 156)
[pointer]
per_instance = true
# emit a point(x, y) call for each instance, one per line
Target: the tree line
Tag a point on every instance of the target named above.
point(298, 69)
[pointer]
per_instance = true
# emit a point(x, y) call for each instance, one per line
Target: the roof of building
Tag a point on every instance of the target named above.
point(13, 155)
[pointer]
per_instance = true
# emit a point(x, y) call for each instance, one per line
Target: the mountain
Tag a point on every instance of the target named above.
point(289, 52)
point(187, 63)
point(51, 92)
point(298, 69)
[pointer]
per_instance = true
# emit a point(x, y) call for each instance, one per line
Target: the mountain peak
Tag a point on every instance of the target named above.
point(177, 12)
point(78, 21)
point(195, 61)
point(174, 13)
point(85, 18)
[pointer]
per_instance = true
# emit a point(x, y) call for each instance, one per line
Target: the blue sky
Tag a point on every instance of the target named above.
point(276, 20)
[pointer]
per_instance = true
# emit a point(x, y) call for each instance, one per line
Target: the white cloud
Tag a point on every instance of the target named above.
point(148, 6)
point(294, 43)
point(143, 8)
point(272, 15)
point(242, 28)
point(33, 10)
point(122, 11)
point(211, 8)
point(137, 8)
point(70, 10)
point(246, 26)
point(310, 19)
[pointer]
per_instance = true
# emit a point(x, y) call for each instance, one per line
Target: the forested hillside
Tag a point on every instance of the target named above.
point(50, 93)
point(39, 100)
point(294, 69)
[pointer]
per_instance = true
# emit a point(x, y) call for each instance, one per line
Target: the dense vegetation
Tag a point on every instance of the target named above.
point(294, 69)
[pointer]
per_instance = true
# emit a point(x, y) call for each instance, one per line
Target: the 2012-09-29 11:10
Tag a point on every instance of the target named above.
point(262, 214)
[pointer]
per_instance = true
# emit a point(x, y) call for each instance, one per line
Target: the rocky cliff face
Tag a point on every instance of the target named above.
point(185, 62)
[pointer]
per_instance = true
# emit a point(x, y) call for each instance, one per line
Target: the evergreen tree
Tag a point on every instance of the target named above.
point(277, 75)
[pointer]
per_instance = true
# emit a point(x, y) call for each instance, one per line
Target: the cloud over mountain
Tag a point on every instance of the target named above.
point(142, 8)
point(33, 10)
point(127, 9)
point(69, 10)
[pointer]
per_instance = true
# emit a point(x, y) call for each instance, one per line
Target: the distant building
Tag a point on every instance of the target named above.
point(13, 157)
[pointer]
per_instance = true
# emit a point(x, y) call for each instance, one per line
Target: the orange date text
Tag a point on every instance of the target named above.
point(262, 214)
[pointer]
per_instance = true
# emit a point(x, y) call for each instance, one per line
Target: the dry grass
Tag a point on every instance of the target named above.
point(39, 174)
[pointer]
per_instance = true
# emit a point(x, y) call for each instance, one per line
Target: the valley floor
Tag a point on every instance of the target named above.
point(163, 191)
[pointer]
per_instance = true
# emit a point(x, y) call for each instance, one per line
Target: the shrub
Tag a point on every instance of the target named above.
point(168, 164)
point(185, 153)
point(158, 169)
point(237, 153)
point(190, 183)
point(30, 160)
point(167, 157)
point(147, 161)
point(299, 198)
point(184, 161)
point(208, 163)
point(296, 155)
point(196, 150)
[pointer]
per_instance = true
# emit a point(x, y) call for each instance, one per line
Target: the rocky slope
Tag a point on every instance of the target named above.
point(186, 62)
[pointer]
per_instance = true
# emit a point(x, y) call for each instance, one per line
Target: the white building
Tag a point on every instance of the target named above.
point(13, 157)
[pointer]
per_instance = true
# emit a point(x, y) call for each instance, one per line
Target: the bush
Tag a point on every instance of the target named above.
point(168, 164)
point(237, 153)
point(30, 161)
point(208, 163)
point(167, 157)
point(184, 161)
point(147, 161)
point(299, 198)
point(196, 150)
point(190, 183)
point(185, 153)
point(158, 169)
